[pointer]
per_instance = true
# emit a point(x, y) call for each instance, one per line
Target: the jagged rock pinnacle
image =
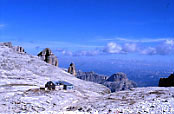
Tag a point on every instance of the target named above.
point(47, 56)
point(72, 69)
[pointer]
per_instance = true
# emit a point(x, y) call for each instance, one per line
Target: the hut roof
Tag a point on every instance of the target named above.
point(62, 83)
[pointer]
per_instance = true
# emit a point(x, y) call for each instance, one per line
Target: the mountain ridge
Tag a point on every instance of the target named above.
point(115, 82)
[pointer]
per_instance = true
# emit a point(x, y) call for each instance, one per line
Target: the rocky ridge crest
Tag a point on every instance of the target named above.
point(116, 82)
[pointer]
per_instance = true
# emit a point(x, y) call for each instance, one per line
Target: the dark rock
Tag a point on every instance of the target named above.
point(167, 82)
point(116, 82)
point(72, 69)
point(15, 48)
point(71, 108)
point(117, 77)
point(47, 56)
point(8, 44)
point(119, 82)
point(91, 76)
point(19, 49)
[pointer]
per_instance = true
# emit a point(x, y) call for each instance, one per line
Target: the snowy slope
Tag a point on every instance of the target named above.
point(21, 76)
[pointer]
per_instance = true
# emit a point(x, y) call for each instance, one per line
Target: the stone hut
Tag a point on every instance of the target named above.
point(52, 85)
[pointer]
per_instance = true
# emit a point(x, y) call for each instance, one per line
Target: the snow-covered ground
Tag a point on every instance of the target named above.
point(22, 75)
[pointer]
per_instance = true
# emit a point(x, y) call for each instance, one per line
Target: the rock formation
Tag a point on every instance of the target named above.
point(47, 56)
point(19, 49)
point(91, 76)
point(116, 82)
point(8, 44)
point(119, 82)
point(15, 48)
point(72, 69)
point(167, 82)
point(117, 77)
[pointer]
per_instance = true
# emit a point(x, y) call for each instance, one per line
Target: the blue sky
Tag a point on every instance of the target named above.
point(105, 29)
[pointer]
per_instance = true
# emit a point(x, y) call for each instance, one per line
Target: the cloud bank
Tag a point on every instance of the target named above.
point(165, 47)
point(143, 47)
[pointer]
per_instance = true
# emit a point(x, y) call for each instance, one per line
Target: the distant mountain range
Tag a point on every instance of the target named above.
point(116, 82)
point(144, 73)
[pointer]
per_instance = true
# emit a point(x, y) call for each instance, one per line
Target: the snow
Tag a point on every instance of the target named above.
point(22, 75)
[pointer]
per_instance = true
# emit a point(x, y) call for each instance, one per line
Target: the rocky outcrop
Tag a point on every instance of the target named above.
point(8, 44)
point(91, 76)
point(72, 69)
point(19, 49)
point(119, 82)
point(117, 77)
point(167, 82)
point(47, 56)
point(15, 48)
point(116, 82)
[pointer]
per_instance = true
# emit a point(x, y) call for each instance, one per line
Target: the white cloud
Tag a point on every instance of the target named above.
point(169, 42)
point(113, 47)
point(164, 48)
point(149, 51)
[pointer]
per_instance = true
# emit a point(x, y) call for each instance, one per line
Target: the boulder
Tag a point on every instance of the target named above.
point(72, 69)
point(47, 56)
point(167, 82)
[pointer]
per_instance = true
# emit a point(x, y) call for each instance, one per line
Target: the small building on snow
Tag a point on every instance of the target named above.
point(52, 85)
